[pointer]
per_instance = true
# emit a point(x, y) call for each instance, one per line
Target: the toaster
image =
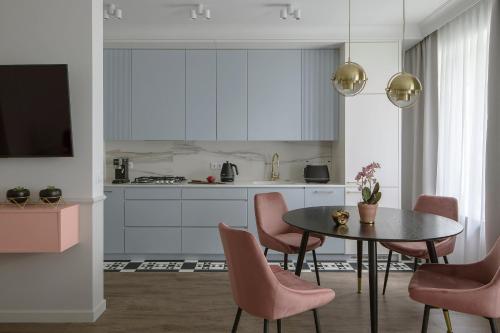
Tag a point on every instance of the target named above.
point(316, 174)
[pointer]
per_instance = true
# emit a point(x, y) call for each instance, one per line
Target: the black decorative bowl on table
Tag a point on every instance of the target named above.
point(18, 195)
point(50, 194)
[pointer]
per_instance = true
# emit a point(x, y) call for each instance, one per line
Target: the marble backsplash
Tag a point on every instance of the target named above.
point(192, 159)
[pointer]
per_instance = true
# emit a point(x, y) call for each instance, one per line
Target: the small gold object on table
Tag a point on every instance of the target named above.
point(341, 217)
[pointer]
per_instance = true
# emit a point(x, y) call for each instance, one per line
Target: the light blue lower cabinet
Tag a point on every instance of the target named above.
point(330, 196)
point(209, 213)
point(113, 220)
point(153, 240)
point(201, 241)
point(153, 213)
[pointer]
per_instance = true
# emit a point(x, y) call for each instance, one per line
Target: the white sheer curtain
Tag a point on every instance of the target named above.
point(463, 74)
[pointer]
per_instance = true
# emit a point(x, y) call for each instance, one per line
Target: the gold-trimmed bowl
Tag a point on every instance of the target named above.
point(341, 217)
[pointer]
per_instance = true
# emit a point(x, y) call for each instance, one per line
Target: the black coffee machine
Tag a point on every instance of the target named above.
point(227, 173)
point(121, 171)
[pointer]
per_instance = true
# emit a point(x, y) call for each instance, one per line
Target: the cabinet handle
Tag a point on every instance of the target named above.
point(351, 182)
point(352, 191)
point(324, 192)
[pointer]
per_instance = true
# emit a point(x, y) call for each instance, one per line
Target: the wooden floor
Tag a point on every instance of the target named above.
point(201, 302)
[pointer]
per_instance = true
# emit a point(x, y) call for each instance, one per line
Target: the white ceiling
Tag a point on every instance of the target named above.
point(238, 20)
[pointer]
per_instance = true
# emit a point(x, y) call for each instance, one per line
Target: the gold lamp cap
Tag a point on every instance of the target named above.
point(349, 79)
point(403, 89)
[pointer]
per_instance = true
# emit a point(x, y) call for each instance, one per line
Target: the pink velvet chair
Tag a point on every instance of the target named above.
point(442, 206)
point(264, 291)
point(275, 234)
point(472, 288)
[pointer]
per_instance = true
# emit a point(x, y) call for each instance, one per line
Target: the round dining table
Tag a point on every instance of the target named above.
point(391, 225)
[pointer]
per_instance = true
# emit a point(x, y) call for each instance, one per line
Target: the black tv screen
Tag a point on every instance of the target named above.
point(35, 118)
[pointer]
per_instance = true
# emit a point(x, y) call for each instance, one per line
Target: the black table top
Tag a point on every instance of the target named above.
point(390, 224)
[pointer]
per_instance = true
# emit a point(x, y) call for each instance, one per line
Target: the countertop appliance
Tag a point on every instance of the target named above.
point(227, 173)
point(316, 174)
point(159, 180)
point(121, 171)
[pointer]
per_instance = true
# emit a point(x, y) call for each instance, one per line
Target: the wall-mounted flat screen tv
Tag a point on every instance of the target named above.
point(35, 117)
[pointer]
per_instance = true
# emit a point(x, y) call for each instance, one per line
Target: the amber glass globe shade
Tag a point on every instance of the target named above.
point(349, 79)
point(403, 90)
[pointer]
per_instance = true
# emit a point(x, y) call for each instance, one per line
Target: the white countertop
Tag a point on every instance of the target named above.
point(246, 184)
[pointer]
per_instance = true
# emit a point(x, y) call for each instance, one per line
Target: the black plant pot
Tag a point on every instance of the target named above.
point(50, 194)
point(18, 195)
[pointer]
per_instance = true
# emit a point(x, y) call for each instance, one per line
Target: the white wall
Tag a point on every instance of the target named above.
point(67, 286)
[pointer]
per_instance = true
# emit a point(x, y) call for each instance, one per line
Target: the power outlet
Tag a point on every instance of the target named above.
point(214, 165)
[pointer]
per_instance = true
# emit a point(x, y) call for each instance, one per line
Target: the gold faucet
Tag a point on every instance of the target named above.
point(275, 173)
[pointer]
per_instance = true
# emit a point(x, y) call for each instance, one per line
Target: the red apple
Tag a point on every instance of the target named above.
point(210, 179)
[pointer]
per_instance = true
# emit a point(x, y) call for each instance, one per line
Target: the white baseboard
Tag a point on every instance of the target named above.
point(53, 316)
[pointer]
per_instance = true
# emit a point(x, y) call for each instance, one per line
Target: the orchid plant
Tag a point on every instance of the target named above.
point(368, 185)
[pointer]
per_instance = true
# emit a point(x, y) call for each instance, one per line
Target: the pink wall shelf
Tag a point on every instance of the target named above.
point(38, 228)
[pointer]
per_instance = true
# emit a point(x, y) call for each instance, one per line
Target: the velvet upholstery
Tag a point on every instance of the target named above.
point(265, 292)
point(472, 288)
point(442, 206)
point(273, 232)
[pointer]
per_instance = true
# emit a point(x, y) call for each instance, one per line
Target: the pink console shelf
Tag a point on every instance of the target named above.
point(38, 228)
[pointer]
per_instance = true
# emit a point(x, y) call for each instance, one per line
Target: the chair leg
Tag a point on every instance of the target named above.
point(493, 325)
point(316, 267)
point(446, 314)
point(360, 263)
point(316, 321)
point(446, 260)
point(387, 269)
point(278, 324)
point(266, 326)
point(236, 320)
point(285, 261)
point(415, 265)
point(265, 252)
point(425, 322)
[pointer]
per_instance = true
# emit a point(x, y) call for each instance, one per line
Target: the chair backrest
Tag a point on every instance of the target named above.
point(252, 281)
point(490, 265)
point(269, 209)
point(442, 206)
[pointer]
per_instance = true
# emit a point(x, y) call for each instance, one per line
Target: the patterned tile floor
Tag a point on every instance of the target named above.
point(186, 266)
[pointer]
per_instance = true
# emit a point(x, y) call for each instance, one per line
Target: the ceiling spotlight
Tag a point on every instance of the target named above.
point(290, 11)
point(200, 10)
point(112, 11)
point(284, 14)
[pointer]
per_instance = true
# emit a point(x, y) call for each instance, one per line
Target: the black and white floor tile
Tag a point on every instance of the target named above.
point(187, 266)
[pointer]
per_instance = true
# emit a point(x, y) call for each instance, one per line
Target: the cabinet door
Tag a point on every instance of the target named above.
point(153, 213)
point(114, 220)
point(372, 134)
point(201, 95)
point(320, 196)
point(153, 240)
point(294, 198)
point(231, 94)
point(380, 61)
point(209, 213)
point(274, 95)
point(117, 104)
point(158, 94)
point(201, 241)
point(320, 102)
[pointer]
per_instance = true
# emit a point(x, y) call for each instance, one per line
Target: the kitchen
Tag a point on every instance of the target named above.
point(184, 113)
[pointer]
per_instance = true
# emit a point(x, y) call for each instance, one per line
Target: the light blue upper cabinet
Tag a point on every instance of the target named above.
point(274, 95)
point(320, 102)
point(201, 95)
point(117, 105)
point(232, 95)
point(158, 94)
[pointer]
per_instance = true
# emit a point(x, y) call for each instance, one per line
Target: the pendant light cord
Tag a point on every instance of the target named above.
point(403, 42)
point(349, 54)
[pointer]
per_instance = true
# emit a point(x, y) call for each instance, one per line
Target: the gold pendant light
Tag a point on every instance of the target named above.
point(350, 78)
point(403, 89)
